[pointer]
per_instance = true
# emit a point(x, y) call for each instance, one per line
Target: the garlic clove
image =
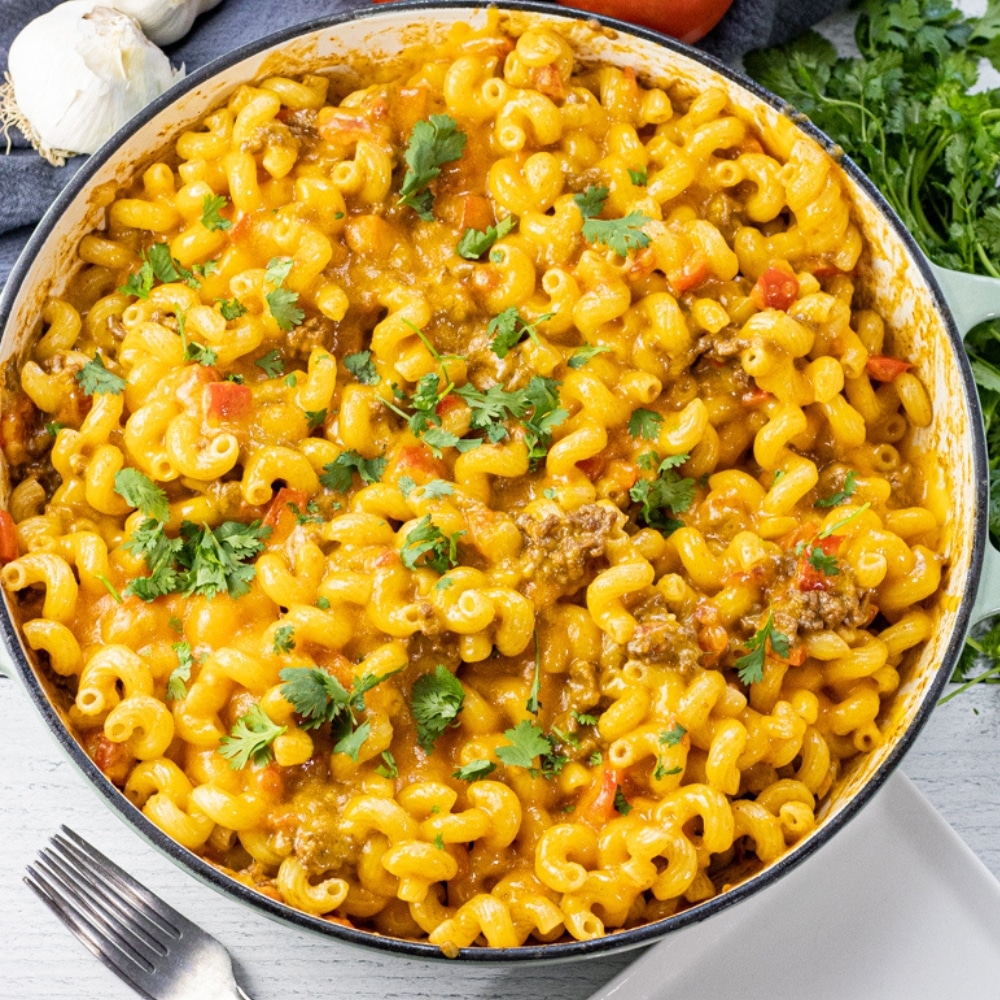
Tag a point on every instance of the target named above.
point(164, 21)
point(80, 72)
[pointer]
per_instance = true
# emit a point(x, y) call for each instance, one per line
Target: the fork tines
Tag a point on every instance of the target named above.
point(119, 920)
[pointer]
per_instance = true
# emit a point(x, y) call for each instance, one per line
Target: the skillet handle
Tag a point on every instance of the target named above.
point(973, 299)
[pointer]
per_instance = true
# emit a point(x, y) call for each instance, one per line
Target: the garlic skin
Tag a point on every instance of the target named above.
point(81, 71)
point(164, 21)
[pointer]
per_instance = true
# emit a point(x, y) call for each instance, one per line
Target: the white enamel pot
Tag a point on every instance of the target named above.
point(901, 286)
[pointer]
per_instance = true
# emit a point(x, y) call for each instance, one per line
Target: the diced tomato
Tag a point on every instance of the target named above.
point(417, 462)
point(775, 289)
point(755, 397)
point(810, 577)
point(9, 547)
point(713, 636)
point(547, 80)
point(690, 275)
point(885, 369)
point(228, 401)
point(477, 212)
point(280, 516)
point(597, 805)
point(386, 559)
point(448, 403)
point(591, 467)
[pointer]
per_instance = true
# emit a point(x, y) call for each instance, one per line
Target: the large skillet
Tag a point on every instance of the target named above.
point(900, 285)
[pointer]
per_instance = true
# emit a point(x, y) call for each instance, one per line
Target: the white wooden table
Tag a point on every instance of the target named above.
point(955, 763)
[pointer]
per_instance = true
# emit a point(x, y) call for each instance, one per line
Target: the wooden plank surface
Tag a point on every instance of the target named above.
point(955, 763)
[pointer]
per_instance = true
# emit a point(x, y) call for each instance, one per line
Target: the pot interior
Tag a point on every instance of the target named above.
point(895, 279)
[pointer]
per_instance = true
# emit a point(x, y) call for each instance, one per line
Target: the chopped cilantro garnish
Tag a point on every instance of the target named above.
point(475, 243)
point(210, 217)
point(315, 418)
point(272, 364)
point(533, 704)
point(668, 491)
point(318, 698)
point(622, 805)
point(645, 424)
point(284, 639)
point(475, 770)
point(751, 666)
point(845, 493)
point(202, 561)
point(361, 366)
point(250, 740)
point(181, 674)
point(527, 741)
point(339, 474)
point(638, 177)
point(138, 490)
point(580, 357)
point(281, 301)
point(435, 701)
point(96, 380)
point(231, 308)
point(388, 768)
point(509, 327)
point(671, 737)
point(425, 541)
point(433, 142)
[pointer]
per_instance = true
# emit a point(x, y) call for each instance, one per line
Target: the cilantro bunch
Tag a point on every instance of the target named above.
point(904, 112)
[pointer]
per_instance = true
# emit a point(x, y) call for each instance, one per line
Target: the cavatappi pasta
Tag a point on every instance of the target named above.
point(475, 507)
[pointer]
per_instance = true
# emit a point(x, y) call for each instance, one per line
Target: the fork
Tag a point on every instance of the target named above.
point(159, 953)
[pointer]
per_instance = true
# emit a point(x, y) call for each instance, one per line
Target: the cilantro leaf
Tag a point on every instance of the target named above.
point(436, 489)
point(250, 740)
point(210, 217)
point(281, 302)
point(645, 424)
point(96, 380)
point(662, 771)
point(825, 564)
point(361, 366)
point(181, 674)
point(842, 494)
point(579, 358)
point(339, 474)
point(277, 270)
point(425, 541)
point(284, 641)
point(591, 201)
point(314, 694)
point(475, 770)
point(621, 235)
point(272, 364)
point(527, 741)
point(138, 490)
point(751, 666)
point(388, 768)
point(638, 177)
point(231, 308)
point(406, 484)
point(509, 327)
point(140, 283)
point(622, 805)
point(533, 704)
point(166, 268)
point(474, 243)
point(435, 701)
point(671, 737)
point(351, 742)
point(202, 561)
point(315, 418)
point(668, 491)
point(433, 142)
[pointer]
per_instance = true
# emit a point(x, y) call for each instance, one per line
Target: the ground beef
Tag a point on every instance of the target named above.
point(567, 549)
point(316, 331)
point(841, 602)
point(661, 638)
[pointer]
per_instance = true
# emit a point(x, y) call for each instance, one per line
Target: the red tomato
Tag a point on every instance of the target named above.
point(228, 401)
point(280, 516)
point(597, 804)
point(9, 549)
point(884, 369)
point(687, 20)
point(775, 289)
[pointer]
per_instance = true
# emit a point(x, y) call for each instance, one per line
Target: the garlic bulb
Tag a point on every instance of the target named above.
point(77, 74)
point(164, 21)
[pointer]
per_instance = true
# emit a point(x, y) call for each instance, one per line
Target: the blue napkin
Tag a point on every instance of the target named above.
point(28, 184)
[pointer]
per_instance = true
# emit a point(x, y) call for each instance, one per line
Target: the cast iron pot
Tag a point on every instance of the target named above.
point(901, 285)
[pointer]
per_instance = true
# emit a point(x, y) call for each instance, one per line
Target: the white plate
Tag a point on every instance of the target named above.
point(895, 906)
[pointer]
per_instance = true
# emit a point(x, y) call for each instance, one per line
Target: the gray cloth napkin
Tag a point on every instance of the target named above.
point(28, 184)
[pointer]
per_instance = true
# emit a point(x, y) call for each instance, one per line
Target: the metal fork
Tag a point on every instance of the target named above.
point(159, 953)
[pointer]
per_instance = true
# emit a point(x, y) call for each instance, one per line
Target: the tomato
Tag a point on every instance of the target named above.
point(280, 516)
point(775, 289)
point(690, 275)
point(597, 804)
point(687, 20)
point(228, 401)
point(885, 369)
point(9, 548)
